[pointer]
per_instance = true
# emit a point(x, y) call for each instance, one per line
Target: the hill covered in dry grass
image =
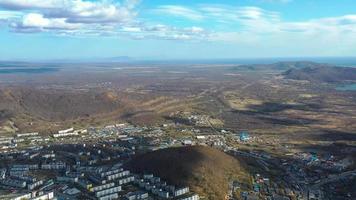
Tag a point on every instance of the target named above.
point(24, 109)
point(25, 106)
point(326, 74)
point(207, 171)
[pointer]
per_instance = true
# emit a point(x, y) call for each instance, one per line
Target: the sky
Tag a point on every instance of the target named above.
point(176, 29)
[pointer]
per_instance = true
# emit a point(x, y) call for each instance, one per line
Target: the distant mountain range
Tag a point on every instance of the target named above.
point(280, 66)
point(304, 70)
point(322, 73)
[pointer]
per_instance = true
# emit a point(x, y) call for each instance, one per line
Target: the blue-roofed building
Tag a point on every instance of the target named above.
point(244, 136)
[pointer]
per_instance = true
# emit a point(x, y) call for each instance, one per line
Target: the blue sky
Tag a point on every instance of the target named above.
point(176, 29)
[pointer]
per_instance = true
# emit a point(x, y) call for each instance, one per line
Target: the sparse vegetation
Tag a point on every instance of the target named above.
point(206, 170)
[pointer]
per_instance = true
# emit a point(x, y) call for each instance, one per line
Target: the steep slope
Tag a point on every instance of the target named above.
point(206, 170)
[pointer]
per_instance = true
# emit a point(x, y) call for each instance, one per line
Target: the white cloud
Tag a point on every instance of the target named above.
point(37, 21)
point(30, 4)
point(255, 24)
point(195, 29)
point(92, 12)
point(180, 11)
point(166, 32)
point(91, 18)
point(323, 37)
point(77, 11)
point(131, 29)
point(237, 14)
point(9, 14)
point(131, 4)
point(71, 13)
point(252, 26)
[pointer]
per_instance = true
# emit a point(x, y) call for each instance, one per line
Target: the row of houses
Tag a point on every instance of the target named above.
point(155, 186)
point(35, 196)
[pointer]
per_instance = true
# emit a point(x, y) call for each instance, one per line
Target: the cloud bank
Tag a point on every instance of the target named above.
point(246, 26)
point(86, 18)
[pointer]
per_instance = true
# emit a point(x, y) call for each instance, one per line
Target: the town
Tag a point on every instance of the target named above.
point(90, 164)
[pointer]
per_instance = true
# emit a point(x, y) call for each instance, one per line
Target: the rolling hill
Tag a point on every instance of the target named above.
point(326, 74)
point(22, 109)
point(205, 170)
point(308, 71)
point(36, 109)
point(281, 66)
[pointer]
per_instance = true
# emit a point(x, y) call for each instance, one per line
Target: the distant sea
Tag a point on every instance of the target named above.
point(27, 70)
point(346, 61)
point(12, 67)
point(348, 87)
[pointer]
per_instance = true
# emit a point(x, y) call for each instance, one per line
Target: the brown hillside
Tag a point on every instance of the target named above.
point(322, 74)
point(206, 170)
point(37, 109)
point(31, 109)
point(55, 105)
